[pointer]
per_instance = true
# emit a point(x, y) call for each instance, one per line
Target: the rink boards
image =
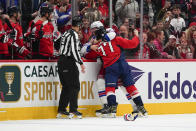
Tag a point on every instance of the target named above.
point(31, 89)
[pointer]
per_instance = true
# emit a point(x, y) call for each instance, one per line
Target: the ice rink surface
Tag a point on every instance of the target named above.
point(180, 122)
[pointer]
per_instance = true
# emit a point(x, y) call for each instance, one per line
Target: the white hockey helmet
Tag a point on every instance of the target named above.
point(96, 24)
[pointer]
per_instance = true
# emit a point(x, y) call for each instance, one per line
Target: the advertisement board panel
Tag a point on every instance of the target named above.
point(33, 88)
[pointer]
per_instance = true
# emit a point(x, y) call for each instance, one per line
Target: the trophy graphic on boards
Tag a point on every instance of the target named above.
point(9, 76)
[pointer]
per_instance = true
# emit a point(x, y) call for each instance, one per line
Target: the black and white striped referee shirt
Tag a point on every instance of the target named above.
point(70, 45)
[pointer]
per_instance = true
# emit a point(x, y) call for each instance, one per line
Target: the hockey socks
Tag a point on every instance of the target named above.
point(111, 97)
point(100, 84)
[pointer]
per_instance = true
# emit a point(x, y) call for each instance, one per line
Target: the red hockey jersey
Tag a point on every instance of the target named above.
point(110, 51)
point(19, 36)
point(3, 46)
point(46, 42)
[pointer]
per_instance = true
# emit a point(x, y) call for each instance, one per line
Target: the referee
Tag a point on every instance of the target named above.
point(68, 70)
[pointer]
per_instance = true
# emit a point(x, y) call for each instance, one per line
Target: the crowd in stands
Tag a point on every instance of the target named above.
point(169, 26)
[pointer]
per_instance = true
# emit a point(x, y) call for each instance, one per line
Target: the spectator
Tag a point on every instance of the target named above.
point(160, 26)
point(194, 43)
point(191, 38)
point(167, 6)
point(123, 32)
point(126, 9)
point(91, 12)
point(126, 22)
point(154, 53)
point(159, 4)
point(158, 42)
point(146, 50)
point(149, 10)
point(177, 24)
point(171, 48)
point(130, 24)
point(185, 49)
point(86, 33)
point(167, 19)
point(192, 11)
point(183, 6)
point(64, 16)
point(83, 5)
point(146, 24)
point(129, 53)
point(103, 8)
point(189, 33)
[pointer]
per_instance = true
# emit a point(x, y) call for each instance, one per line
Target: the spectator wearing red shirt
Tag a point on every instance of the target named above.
point(158, 42)
point(146, 50)
point(86, 33)
point(103, 8)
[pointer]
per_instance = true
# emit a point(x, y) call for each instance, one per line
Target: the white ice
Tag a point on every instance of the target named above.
point(179, 122)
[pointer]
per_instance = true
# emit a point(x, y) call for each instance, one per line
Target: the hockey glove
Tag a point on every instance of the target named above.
point(23, 51)
point(13, 34)
point(4, 39)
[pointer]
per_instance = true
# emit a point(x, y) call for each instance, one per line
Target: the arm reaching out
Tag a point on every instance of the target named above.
point(128, 44)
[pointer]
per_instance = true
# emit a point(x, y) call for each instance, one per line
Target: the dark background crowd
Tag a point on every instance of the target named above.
point(169, 26)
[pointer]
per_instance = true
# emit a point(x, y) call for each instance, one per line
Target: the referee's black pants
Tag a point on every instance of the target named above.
point(69, 78)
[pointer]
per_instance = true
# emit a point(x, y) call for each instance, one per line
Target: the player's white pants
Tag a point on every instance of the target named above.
point(100, 84)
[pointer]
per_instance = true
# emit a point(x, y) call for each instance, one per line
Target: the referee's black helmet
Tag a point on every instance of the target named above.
point(76, 21)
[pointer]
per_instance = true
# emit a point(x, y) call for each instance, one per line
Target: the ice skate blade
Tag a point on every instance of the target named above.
point(110, 115)
point(61, 116)
point(98, 114)
point(71, 116)
point(143, 115)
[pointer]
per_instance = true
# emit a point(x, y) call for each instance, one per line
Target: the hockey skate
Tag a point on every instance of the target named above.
point(76, 114)
point(109, 111)
point(142, 111)
point(62, 115)
point(99, 112)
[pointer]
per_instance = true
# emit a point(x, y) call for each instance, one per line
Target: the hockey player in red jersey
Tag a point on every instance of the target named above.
point(3, 45)
point(116, 67)
point(14, 31)
point(100, 82)
point(43, 30)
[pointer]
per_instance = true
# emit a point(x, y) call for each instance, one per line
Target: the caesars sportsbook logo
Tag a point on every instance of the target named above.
point(10, 83)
